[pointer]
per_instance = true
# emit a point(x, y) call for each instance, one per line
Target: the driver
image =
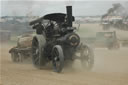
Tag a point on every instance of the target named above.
point(49, 31)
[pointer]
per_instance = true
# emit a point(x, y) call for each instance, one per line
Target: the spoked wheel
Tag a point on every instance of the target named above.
point(36, 53)
point(87, 57)
point(58, 58)
point(15, 57)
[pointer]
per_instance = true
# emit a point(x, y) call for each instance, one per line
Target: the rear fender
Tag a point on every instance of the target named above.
point(41, 39)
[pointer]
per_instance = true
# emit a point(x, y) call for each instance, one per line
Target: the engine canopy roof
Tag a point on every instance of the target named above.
point(57, 17)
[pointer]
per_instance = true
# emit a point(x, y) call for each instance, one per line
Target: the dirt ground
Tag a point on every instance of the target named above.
point(110, 68)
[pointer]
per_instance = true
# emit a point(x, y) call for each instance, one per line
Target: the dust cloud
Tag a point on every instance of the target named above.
point(110, 67)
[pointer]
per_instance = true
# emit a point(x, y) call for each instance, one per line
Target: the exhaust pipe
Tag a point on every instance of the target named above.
point(69, 16)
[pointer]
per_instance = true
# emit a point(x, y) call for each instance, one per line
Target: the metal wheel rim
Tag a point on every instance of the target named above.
point(35, 52)
point(86, 58)
point(15, 57)
point(56, 60)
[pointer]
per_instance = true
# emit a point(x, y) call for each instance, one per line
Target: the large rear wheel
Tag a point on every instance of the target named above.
point(37, 53)
point(58, 58)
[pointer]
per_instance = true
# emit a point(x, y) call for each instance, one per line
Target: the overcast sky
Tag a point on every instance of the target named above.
point(40, 8)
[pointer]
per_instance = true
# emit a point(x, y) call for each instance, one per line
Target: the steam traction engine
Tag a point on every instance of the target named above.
point(56, 41)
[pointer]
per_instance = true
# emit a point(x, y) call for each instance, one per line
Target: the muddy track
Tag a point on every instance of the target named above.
point(111, 68)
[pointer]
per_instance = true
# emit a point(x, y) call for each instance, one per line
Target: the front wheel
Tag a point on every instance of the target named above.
point(87, 57)
point(58, 58)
